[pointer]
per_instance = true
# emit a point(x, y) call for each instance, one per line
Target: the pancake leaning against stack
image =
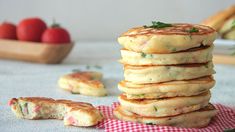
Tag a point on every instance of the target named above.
point(168, 75)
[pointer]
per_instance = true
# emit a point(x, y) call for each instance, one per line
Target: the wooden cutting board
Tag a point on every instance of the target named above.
point(34, 51)
point(224, 52)
point(224, 59)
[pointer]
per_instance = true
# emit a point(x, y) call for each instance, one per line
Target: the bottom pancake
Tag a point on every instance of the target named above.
point(195, 119)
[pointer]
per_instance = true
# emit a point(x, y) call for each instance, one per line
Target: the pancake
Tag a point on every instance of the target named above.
point(166, 106)
point(86, 83)
point(73, 113)
point(227, 26)
point(228, 29)
point(195, 119)
point(157, 74)
point(230, 34)
point(168, 89)
point(217, 20)
point(167, 40)
point(195, 55)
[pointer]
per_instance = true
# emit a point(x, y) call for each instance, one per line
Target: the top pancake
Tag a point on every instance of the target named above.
point(168, 39)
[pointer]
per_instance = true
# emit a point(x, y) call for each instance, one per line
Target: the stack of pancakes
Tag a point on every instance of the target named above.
point(168, 75)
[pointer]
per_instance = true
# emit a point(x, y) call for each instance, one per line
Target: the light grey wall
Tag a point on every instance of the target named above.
point(106, 19)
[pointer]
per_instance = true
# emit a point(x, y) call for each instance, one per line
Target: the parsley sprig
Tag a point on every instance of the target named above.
point(193, 30)
point(158, 25)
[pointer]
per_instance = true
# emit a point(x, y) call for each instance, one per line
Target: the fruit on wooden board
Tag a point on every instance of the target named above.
point(7, 30)
point(56, 35)
point(31, 29)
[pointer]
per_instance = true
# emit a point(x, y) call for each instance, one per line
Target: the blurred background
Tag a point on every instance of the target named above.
point(98, 20)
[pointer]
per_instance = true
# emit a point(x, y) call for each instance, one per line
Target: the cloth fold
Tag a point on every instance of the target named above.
point(224, 120)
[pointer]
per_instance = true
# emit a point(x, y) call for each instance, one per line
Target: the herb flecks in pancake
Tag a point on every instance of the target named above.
point(148, 56)
point(233, 24)
point(155, 108)
point(158, 25)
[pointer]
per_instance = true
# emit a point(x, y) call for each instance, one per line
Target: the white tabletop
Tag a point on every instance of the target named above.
point(19, 79)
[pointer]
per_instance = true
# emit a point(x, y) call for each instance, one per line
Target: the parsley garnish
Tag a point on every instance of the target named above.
point(93, 66)
point(76, 70)
point(72, 92)
point(155, 108)
point(140, 95)
point(98, 67)
point(146, 55)
point(150, 123)
point(158, 25)
point(143, 55)
point(192, 30)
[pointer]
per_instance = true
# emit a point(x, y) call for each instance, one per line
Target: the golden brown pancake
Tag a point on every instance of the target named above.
point(73, 113)
point(86, 83)
point(227, 31)
point(195, 119)
point(167, 89)
point(158, 74)
point(195, 55)
point(172, 39)
point(165, 106)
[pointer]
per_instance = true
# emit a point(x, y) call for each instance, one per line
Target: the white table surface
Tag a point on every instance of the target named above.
point(19, 79)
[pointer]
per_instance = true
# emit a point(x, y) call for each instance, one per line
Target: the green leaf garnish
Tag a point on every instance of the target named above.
point(72, 92)
point(146, 55)
point(93, 66)
point(26, 108)
point(173, 49)
point(140, 95)
point(158, 25)
point(193, 30)
point(76, 70)
point(98, 67)
point(143, 55)
point(155, 108)
point(150, 123)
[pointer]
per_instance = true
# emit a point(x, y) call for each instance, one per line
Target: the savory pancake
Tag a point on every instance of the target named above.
point(195, 55)
point(217, 20)
point(86, 83)
point(73, 113)
point(174, 38)
point(195, 119)
point(230, 34)
point(167, 89)
point(228, 25)
point(157, 74)
point(166, 106)
point(227, 31)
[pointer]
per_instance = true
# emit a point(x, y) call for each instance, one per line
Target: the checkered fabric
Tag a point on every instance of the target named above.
point(225, 119)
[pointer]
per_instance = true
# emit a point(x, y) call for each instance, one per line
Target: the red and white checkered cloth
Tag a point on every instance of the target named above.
point(225, 119)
